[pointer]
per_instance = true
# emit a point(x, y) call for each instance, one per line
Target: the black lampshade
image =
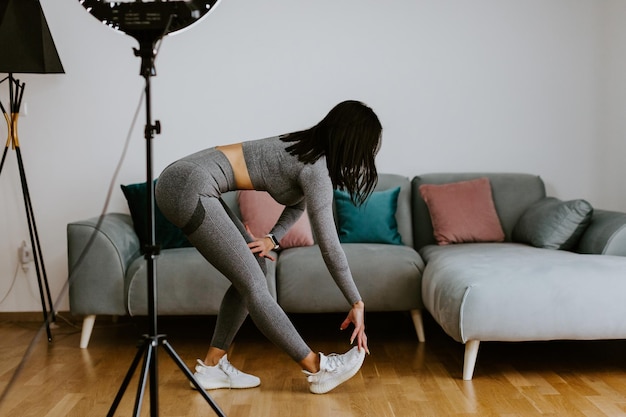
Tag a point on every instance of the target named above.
point(26, 45)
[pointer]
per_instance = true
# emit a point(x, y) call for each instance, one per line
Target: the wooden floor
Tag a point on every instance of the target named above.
point(401, 378)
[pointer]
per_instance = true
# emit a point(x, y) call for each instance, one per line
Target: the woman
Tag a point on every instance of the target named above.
point(299, 170)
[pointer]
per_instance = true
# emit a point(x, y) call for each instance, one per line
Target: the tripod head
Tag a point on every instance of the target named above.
point(148, 21)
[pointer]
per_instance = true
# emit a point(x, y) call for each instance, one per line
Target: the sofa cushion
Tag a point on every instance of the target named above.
point(404, 216)
point(516, 292)
point(259, 211)
point(372, 222)
point(186, 284)
point(462, 212)
point(167, 235)
point(553, 224)
point(388, 278)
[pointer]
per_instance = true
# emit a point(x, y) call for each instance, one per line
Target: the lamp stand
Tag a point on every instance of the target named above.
point(150, 342)
point(16, 92)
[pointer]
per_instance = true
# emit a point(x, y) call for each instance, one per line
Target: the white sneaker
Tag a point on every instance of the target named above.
point(223, 375)
point(334, 370)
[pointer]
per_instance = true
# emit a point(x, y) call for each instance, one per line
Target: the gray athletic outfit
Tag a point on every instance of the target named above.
point(188, 192)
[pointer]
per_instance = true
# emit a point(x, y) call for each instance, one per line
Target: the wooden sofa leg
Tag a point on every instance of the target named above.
point(471, 353)
point(418, 323)
point(85, 334)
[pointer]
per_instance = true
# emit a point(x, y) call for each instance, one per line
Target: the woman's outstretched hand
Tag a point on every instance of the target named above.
point(262, 245)
point(356, 316)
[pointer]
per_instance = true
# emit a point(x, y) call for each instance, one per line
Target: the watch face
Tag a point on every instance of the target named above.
point(274, 240)
point(152, 19)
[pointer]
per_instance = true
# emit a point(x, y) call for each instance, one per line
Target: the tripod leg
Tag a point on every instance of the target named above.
point(154, 378)
point(4, 155)
point(169, 349)
point(129, 375)
point(9, 137)
point(36, 234)
point(38, 256)
point(30, 220)
point(141, 386)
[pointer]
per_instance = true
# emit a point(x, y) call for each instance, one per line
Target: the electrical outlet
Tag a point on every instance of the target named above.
point(25, 253)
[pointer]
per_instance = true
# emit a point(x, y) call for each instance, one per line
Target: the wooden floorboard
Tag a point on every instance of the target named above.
point(401, 378)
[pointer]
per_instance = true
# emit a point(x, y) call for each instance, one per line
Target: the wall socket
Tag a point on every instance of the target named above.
point(25, 253)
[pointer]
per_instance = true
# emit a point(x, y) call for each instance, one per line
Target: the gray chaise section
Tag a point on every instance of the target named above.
point(515, 292)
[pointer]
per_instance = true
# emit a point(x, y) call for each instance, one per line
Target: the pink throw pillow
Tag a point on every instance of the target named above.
point(462, 212)
point(259, 211)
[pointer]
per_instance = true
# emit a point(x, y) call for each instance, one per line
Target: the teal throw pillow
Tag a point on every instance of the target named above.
point(372, 222)
point(553, 224)
point(167, 235)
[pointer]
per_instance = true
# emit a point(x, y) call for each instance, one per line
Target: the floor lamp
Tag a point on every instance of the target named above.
point(27, 47)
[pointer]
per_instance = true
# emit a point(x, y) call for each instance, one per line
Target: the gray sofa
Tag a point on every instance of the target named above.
point(516, 292)
point(505, 291)
point(110, 279)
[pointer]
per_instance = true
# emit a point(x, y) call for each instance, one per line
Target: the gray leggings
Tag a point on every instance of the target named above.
point(188, 193)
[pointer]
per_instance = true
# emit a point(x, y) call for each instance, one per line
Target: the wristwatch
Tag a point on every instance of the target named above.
point(274, 240)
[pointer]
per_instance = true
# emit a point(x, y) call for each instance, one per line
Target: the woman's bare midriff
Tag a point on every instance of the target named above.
point(234, 154)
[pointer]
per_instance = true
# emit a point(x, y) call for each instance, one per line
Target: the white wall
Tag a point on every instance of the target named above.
point(480, 85)
point(612, 112)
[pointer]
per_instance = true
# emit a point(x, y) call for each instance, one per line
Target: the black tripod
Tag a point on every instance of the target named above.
point(16, 92)
point(150, 342)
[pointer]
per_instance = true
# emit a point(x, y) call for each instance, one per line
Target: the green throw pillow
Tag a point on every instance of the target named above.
point(372, 222)
point(553, 224)
point(167, 235)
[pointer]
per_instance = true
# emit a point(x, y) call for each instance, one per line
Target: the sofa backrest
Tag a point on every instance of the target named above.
point(512, 194)
point(385, 182)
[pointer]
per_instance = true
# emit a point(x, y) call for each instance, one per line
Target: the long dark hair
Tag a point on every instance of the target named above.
point(349, 137)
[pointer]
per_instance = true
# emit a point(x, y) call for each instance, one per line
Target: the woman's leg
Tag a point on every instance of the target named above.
point(187, 193)
point(233, 311)
point(218, 239)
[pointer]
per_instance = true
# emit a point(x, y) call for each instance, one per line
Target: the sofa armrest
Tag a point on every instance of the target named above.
point(606, 235)
point(97, 276)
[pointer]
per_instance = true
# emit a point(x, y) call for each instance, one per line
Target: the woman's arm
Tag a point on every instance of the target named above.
point(318, 194)
point(263, 245)
point(288, 218)
point(323, 223)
